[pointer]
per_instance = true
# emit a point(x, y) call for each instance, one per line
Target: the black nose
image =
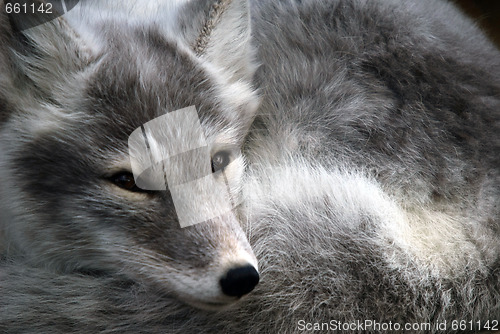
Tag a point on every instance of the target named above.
point(239, 281)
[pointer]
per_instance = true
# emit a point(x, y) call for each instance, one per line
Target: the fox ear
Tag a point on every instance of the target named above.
point(222, 35)
point(45, 56)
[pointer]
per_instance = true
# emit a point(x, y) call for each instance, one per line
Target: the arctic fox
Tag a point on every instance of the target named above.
point(73, 91)
point(371, 195)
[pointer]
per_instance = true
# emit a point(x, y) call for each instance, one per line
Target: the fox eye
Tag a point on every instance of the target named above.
point(125, 180)
point(220, 160)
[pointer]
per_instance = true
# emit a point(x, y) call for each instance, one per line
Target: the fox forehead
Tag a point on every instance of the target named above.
point(135, 74)
point(133, 83)
point(137, 81)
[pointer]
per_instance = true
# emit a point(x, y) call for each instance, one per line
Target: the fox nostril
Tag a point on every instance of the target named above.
point(239, 281)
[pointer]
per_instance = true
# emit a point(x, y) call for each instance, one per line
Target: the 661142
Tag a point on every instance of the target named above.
point(28, 8)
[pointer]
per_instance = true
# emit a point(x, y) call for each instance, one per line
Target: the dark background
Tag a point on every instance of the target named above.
point(486, 13)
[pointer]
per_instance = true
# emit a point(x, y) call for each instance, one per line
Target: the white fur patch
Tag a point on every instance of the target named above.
point(434, 239)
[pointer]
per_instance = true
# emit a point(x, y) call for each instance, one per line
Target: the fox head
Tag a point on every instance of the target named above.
point(72, 92)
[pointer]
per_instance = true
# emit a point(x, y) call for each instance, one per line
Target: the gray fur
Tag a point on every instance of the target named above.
point(70, 94)
point(372, 189)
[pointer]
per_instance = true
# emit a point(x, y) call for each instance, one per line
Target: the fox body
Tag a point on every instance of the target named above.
point(371, 189)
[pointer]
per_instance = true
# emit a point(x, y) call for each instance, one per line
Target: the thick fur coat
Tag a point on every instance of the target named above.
point(372, 182)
